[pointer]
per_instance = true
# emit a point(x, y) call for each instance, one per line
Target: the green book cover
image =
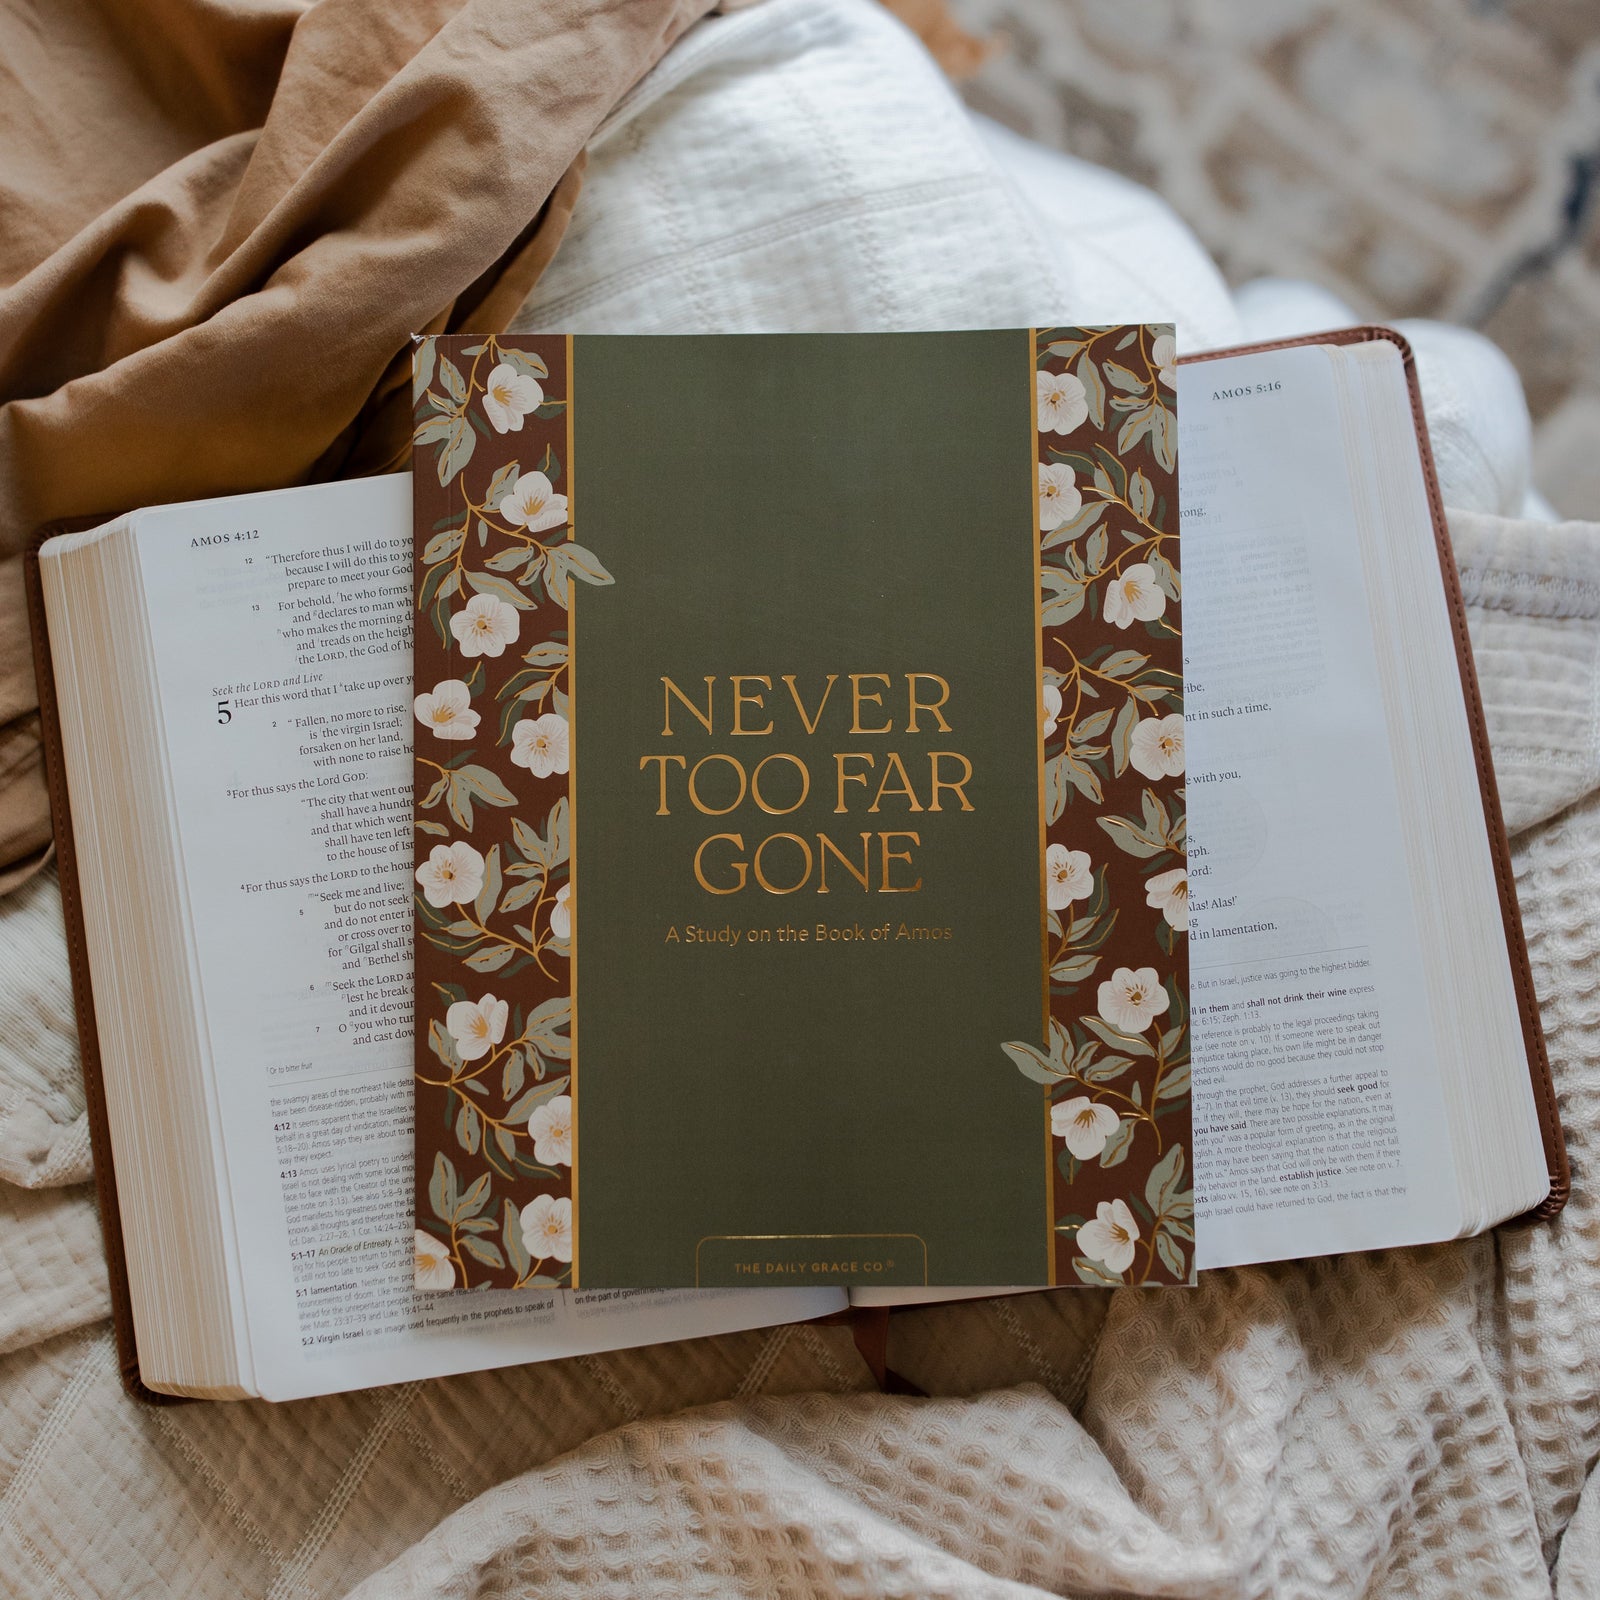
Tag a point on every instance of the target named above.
point(801, 887)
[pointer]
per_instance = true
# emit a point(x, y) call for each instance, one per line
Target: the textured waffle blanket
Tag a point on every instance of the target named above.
point(1417, 1424)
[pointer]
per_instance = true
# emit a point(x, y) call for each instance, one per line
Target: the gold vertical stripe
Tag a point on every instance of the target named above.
point(1038, 723)
point(572, 796)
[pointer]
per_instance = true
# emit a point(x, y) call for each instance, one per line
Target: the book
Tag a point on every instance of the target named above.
point(227, 695)
point(752, 863)
point(228, 698)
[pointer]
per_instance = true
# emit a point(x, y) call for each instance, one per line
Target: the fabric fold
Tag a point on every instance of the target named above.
point(202, 296)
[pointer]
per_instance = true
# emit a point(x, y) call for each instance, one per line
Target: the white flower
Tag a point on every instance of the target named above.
point(1067, 876)
point(486, 626)
point(1052, 707)
point(540, 744)
point(452, 873)
point(1164, 357)
point(477, 1026)
point(1133, 595)
point(1155, 747)
point(551, 1129)
point(1111, 1236)
point(534, 504)
point(1059, 499)
point(1084, 1125)
point(561, 913)
point(432, 1267)
point(1129, 999)
point(509, 397)
point(447, 710)
point(1169, 892)
point(547, 1228)
point(1063, 404)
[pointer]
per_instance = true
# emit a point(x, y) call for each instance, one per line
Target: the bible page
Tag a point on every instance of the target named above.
point(1319, 1117)
point(282, 630)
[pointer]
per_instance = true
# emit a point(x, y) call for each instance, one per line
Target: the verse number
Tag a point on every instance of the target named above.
point(224, 711)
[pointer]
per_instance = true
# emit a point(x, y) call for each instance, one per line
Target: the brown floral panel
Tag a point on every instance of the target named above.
point(1115, 1066)
point(495, 564)
point(496, 560)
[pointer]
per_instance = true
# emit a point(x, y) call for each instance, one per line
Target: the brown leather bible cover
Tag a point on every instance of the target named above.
point(83, 997)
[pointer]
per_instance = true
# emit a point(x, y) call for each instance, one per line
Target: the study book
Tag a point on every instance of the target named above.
point(231, 703)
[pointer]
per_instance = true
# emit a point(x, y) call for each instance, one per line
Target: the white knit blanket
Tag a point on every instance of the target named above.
point(1414, 1424)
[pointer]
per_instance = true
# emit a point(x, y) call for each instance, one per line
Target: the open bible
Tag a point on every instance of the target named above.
point(228, 701)
point(1369, 1069)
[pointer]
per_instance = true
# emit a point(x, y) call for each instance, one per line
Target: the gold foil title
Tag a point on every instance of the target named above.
point(746, 706)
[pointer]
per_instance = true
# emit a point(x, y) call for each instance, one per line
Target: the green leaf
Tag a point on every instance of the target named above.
point(1126, 836)
point(475, 1198)
point(484, 1250)
point(531, 844)
point(1096, 549)
point(1073, 526)
point(512, 1073)
point(1156, 822)
point(457, 451)
point(1124, 380)
point(1165, 1180)
point(1165, 574)
point(424, 352)
point(1063, 597)
point(525, 362)
point(1096, 1273)
point(1132, 1043)
point(511, 1238)
point(432, 827)
point(544, 1030)
point(1075, 969)
point(1082, 776)
point(1032, 1062)
point(1135, 428)
point(1164, 439)
point(1055, 789)
point(1092, 727)
point(1122, 735)
point(551, 408)
point(443, 1195)
point(536, 1097)
point(442, 545)
point(433, 430)
point(550, 466)
point(501, 484)
point(450, 376)
point(485, 785)
point(490, 958)
point(469, 1128)
point(566, 562)
point(1094, 390)
point(548, 653)
point(1175, 1084)
point(490, 892)
point(500, 588)
point(1141, 497)
point(522, 894)
point(506, 560)
point(1171, 1256)
point(1119, 1144)
point(443, 1046)
point(1106, 1069)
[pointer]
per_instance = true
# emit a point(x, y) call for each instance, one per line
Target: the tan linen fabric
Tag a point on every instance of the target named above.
point(222, 220)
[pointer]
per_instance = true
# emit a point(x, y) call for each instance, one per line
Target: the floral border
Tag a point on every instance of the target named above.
point(496, 560)
point(1115, 1063)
